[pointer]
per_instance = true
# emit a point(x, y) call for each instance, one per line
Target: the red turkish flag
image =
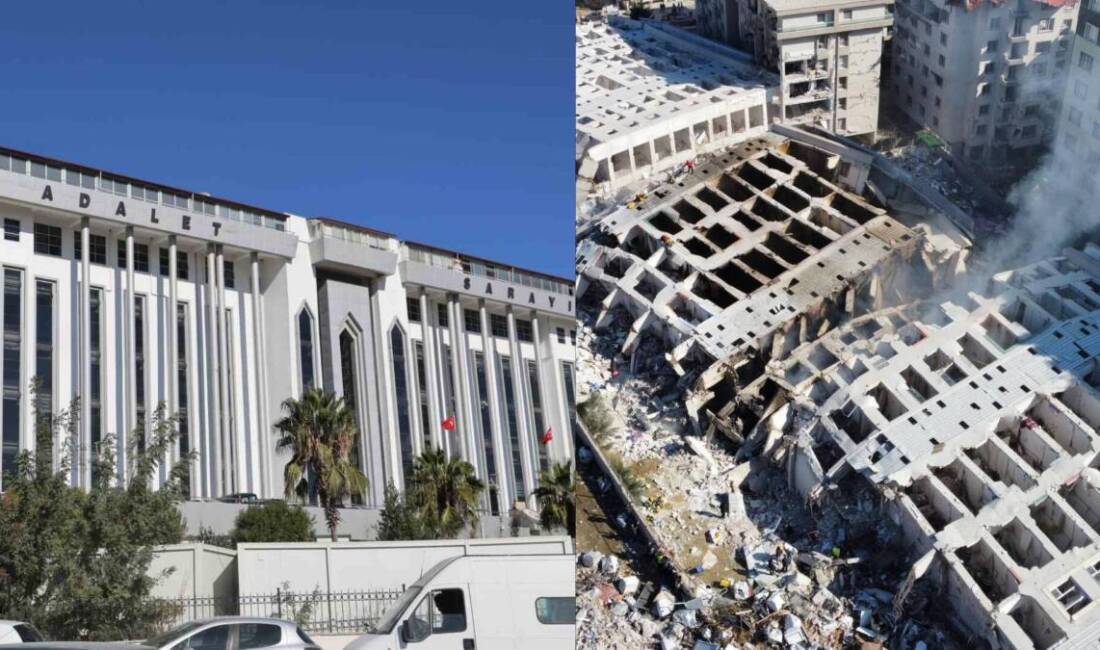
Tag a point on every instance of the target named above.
point(449, 423)
point(548, 436)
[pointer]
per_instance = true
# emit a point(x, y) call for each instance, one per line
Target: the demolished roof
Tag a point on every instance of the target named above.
point(749, 257)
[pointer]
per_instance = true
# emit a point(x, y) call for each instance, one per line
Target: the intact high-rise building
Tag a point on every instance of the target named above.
point(130, 293)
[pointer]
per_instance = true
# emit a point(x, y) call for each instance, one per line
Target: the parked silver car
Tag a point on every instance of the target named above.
point(218, 633)
point(233, 633)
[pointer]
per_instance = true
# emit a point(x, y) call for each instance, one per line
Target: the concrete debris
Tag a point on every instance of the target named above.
point(627, 585)
point(609, 565)
point(590, 558)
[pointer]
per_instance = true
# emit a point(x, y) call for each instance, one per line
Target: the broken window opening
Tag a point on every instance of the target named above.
point(1025, 548)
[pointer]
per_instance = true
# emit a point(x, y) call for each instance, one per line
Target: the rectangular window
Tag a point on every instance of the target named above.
point(486, 432)
point(422, 390)
point(139, 369)
point(473, 321)
point(441, 315)
point(1080, 90)
point(141, 257)
point(48, 172)
point(78, 178)
point(508, 396)
point(1084, 61)
point(183, 272)
point(11, 229)
point(12, 371)
point(115, 187)
point(401, 389)
point(47, 239)
point(229, 274)
point(1074, 116)
point(524, 331)
point(95, 395)
point(539, 431)
point(561, 335)
point(450, 400)
point(570, 397)
point(499, 325)
point(412, 308)
point(164, 266)
point(182, 421)
point(43, 344)
point(98, 244)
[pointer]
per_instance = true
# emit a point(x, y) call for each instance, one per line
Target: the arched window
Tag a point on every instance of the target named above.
point(401, 386)
point(349, 376)
point(305, 349)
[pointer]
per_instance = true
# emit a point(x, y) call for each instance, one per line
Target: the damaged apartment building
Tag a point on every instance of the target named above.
point(986, 76)
point(828, 54)
point(976, 417)
point(651, 96)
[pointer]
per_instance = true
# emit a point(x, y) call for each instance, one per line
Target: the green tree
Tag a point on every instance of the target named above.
point(444, 492)
point(320, 432)
point(275, 521)
point(557, 508)
point(76, 563)
point(398, 520)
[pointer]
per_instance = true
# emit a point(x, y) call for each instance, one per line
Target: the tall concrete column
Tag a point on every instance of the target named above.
point(213, 393)
point(504, 492)
point(523, 407)
point(460, 373)
point(83, 462)
point(261, 376)
point(230, 460)
point(390, 458)
point(540, 369)
point(130, 421)
point(173, 356)
point(433, 426)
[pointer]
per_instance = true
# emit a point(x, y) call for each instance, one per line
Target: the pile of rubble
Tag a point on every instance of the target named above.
point(780, 602)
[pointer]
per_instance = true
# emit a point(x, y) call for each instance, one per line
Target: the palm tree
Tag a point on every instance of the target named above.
point(320, 431)
point(445, 493)
point(555, 496)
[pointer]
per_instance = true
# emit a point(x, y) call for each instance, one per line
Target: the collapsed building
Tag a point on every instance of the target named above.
point(688, 299)
point(745, 260)
point(976, 417)
point(813, 332)
point(651, 96)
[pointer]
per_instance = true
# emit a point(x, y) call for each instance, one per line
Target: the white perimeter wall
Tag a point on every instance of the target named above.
point(361, 566)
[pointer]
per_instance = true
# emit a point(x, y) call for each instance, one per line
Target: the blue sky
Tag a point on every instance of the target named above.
point(449, 123)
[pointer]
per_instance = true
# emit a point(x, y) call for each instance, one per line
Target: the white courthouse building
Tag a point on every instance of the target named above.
point(129, 293)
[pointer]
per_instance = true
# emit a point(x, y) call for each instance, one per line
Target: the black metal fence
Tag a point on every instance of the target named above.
point(337, 612)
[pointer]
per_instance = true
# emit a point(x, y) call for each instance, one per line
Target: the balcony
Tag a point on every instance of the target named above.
point(349, 248)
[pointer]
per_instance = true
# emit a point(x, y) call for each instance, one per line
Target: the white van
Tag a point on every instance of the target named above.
point(483, 602)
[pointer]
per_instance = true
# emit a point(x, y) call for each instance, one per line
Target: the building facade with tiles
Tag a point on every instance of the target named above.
point(129, 294)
